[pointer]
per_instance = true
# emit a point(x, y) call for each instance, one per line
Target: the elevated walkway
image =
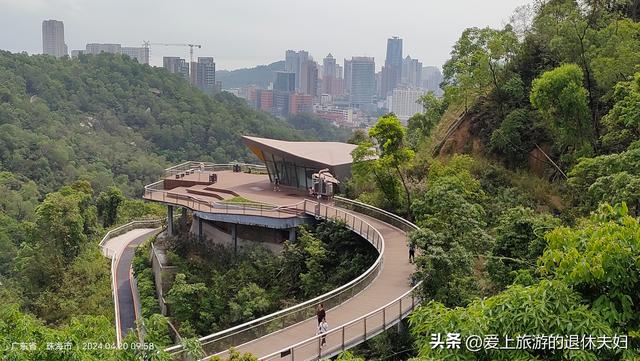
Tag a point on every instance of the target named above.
point(373, 302)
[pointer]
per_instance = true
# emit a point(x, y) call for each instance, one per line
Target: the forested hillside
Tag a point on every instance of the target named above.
point(110, 120)
point(78, 141)
point(504, 251)
point(261, 75)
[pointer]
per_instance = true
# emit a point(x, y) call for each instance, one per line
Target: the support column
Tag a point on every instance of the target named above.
point(292, 234)
point(234, 236)
point(200, 234)
point(170, 220)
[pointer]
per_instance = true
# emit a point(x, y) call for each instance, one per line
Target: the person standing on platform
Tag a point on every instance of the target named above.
point(321, 313)
point(412, 252)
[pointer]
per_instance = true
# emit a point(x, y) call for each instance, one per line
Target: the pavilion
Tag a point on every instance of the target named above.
point(294, 163)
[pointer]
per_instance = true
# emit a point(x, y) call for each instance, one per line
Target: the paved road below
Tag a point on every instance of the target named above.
point(126, 307)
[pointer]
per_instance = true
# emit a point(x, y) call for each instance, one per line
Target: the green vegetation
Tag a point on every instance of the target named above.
point(261, 75)
point(78, 137)
point(215, 288)
point(503, 251)
point(112, 121)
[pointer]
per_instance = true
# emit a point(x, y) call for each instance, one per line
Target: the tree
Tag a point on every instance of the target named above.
point(108, 203)
point(477, 62)
point(561, 99)
point(421, 124)
point(546, 308)
point(622, 123)
point(390, 136)
point(518, 243)
point(358, 136)
point(599, 258)
point(60, 225)
point(606, 178)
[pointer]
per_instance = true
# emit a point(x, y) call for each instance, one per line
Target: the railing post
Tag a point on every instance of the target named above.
point(365, 328)
point(384, 318)
point(342, 338)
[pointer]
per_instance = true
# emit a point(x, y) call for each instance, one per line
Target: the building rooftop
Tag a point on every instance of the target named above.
point(328, 153)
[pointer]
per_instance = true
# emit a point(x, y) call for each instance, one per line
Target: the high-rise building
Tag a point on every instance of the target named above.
point(347, 76)
point(392, 70)
point(96, 48)
point(285, 81)
point(404, 103)
point(329, 76)
point(312, 79)
point(296, 62)
point(176, 65)
point(411, 73)
point(431, 79)
point(53, 38)
point(363, 80)
point(205, 74)
point(141, 54)
point(283, 86)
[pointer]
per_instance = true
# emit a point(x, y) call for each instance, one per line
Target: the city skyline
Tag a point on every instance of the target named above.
point(261, 32)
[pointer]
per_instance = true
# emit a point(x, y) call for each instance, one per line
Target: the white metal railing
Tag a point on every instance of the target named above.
point(351, 333)
point(156, 192)
point(213, 167)
point(356, 331)
point(265, 325)
point(111, 253)
point(380, 214)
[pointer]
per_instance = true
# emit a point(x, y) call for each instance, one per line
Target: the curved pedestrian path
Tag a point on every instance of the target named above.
point(392, 281)
point(375, 301)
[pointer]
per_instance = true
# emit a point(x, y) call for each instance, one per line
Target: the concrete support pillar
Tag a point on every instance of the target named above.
point(292, 234)
point(170, 220)
point(234, 236)
point(200, 234)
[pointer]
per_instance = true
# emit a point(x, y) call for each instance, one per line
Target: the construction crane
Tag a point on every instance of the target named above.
point(147, 43)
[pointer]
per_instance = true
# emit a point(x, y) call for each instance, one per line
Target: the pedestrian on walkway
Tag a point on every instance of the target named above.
point(276, 183)
point(412, 252)
point(321, 314)
point(323, 327)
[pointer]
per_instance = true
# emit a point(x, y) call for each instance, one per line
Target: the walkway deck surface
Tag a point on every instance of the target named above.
point(392, 281)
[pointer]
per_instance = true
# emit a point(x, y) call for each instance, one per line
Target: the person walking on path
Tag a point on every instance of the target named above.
point(276, 183)
point(323, 327)
point(412, 252)
point(321, 314)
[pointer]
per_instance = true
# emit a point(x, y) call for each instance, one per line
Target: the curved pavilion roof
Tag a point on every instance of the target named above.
point(328, 153)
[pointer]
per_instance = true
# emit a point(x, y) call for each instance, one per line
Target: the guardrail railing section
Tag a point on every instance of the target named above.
point(265, 325)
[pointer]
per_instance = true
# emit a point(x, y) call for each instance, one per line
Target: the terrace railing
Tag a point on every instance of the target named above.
point(221, 341)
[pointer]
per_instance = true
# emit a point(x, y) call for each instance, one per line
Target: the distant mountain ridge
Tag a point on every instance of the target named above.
point(260, 75)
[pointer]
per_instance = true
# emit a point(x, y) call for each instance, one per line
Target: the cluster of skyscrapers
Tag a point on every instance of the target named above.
point(201, 73)
point(347, 92)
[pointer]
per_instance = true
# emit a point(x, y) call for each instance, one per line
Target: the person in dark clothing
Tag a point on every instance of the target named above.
point(321, 313)
point(412, 252)
point(276, 183)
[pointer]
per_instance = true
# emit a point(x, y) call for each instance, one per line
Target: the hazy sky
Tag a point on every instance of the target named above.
point(245, 33)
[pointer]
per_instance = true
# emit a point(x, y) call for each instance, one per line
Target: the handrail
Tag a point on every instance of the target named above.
point(398, 221)
point(382, 323)
point(110, 253)
point(370, 233)
point(207, 166)
point(290, 350)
